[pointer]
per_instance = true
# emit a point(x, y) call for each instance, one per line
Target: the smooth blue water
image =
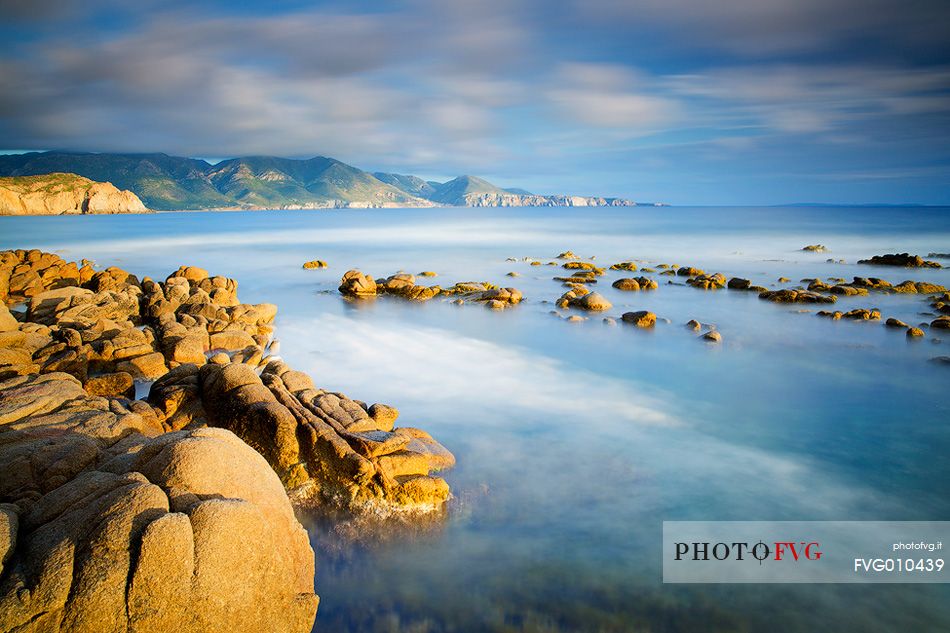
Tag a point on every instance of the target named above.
point(575, 441)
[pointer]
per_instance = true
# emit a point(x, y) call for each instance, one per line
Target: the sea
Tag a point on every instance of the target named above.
point(575, 441)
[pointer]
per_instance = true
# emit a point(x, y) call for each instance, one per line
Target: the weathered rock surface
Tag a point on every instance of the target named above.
point(324, 446)
point(187, 531)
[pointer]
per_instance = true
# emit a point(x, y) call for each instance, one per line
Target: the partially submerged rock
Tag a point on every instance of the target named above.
point(315, 264)
point(795, 296)
point(628, 266)
point(712, 336)
point(689, 271)
point(815, 248)
point(905, 260)
point(642, 318)
point(356, 284)
point(708, 282)
point(635, 283)
point(582, 299)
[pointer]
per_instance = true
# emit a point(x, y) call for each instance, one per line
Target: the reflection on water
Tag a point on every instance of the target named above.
point(575, 441)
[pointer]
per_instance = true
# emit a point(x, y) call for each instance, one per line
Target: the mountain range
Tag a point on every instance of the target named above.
point(267, 182)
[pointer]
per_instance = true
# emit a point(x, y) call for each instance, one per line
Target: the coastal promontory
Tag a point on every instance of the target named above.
point(62, 194)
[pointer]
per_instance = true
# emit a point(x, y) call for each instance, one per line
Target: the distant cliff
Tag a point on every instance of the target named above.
point(267, 182)
point(59, 194)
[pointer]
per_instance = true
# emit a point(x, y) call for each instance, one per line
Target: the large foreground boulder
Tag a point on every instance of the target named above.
point(189, 531)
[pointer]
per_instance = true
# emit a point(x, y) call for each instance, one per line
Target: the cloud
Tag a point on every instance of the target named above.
point(348, 85)
point(818, 98)
point(610, 96)
point(755, 28)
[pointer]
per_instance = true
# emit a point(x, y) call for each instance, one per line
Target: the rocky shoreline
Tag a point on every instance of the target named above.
point(172, 511)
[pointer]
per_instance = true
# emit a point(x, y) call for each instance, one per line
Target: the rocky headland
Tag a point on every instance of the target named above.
point(173, 511)
point(64, 194)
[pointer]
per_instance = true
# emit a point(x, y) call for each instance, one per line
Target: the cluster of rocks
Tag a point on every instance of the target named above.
point(815, 248)
point(941, 303)
point(314, 264)
point(357, 285)
point(905, 260)
point(707, 282)
point(861, 286)
point(858, 314)
point(172, 512)
point(583, 299)
point(111, 518)
point(788, 295)
point(635, 283)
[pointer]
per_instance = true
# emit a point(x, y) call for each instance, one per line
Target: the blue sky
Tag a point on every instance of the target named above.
point(689, 102)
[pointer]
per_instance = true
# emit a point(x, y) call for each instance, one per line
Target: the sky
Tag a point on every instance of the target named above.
point(681, 101)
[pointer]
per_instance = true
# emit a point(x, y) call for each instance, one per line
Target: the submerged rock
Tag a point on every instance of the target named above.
point(712, 337)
